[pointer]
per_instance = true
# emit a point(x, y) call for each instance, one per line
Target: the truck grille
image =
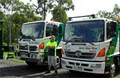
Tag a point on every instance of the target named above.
point(82, 56)
point(33, 48)
point(23, 47)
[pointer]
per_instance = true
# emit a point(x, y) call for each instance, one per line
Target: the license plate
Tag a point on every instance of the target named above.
point(78, 68)
point(23, 55)
point(33, 55)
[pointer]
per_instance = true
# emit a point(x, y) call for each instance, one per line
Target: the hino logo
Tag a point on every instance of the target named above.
point(78, 53)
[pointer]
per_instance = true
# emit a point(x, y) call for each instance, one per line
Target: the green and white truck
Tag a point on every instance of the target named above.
point(33, 39)
point(92, 46)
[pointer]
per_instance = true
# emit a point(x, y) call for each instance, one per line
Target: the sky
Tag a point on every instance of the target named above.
point(86, 7)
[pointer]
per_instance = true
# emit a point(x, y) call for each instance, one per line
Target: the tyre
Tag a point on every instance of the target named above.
point(59, 55)
point(112, 70)
point(31, 63)
point(58, 59)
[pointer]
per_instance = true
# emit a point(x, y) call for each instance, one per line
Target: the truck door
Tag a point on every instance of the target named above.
point(51, 29)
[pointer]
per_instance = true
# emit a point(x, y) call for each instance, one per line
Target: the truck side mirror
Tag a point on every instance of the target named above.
point(113, 29)
point(54, 29)
point(60, 30)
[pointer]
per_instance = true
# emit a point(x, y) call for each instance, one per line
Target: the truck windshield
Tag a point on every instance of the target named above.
point(85, 31)
point(34, 30)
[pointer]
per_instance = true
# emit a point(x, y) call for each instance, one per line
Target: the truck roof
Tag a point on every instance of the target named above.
point(42, 21)
point(105, 19)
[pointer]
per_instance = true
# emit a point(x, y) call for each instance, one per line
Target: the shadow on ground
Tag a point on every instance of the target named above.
point(67, 74)
point(25, 71)
point(20, 71)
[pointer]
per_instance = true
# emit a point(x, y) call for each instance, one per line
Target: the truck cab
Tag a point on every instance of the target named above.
point(33, 39)
point(91, 45)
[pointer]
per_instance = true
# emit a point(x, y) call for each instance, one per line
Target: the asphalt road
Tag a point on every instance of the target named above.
point(10, 69)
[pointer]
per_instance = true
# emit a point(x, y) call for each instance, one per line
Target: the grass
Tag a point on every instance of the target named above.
point(16, 60)
point(118, 76)
point(5, 55)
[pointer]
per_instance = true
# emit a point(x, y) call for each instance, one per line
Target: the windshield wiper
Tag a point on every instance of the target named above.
point(74, 40)
point(90, 42)
point(22, 37)
point(27, 37)
point(31, 37)
point(77, 39)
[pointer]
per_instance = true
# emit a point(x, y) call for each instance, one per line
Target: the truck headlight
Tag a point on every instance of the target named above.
point(96, 66)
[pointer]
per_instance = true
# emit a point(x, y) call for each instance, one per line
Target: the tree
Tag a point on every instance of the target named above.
point(24, 13)
point(66, 4)
point(105, 14)
point(21, 13)
point(110, 15)
point(44, 6)
point(56, 12)
point(116, 11)
point(7, 4)
point(48, 5)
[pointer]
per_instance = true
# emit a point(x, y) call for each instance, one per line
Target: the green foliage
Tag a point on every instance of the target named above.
point(67, 4)
point(20, 13)
point(16, 13)
point(59, 11)
point(110, 15)
point(64, 5)
point(105, 14)
point(116, 11)
point(2, 16)
point(49, 4)
point(4, 44)
point(7, 4)
point(56, 14)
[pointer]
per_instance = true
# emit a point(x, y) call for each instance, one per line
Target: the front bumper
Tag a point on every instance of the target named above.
point(83, 66)
point(31, 57)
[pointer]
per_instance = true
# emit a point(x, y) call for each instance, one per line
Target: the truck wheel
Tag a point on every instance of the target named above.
point(112, 70)
point(58, 59)
point(31, 63)
point(59, 55)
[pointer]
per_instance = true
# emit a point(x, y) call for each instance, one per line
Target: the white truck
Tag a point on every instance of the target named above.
point(33, 39)
point(92, 46)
